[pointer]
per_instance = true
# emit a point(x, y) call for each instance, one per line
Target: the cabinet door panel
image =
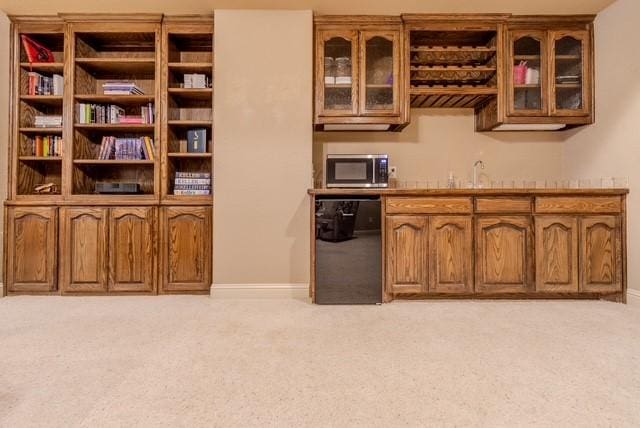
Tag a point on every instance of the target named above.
point(600, 254)
point(556, 254)
point(132, 249)
point(504, 256)
point(380, 73)
point(407, 263)
point(527, 74)
point(451, 255)
point(186, 248)
point(84, 250)
point(32, 249)
point(337, 73)
point(570, 73)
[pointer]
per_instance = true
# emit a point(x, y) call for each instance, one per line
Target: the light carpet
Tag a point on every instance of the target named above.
point(192, 361)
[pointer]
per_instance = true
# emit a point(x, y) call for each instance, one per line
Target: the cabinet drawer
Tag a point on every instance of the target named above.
point(428, 206)
point(503, 205)
point(579, 205)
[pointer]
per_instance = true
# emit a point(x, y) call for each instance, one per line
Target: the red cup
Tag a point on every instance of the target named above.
point(519, 74)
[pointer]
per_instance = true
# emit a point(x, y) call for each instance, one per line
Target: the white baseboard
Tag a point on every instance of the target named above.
point(633, 293)
point(260, 291)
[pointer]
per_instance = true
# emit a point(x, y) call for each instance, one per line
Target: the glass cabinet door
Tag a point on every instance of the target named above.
point(527, 74)
point(338, 67)
point(380, 73)
point(570, 82)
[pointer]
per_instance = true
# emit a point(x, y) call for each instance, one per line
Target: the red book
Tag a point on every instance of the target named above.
point(39, 149)
point(35, 51)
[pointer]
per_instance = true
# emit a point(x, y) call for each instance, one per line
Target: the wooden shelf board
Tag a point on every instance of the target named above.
point(526, 57)
point(452, 49)
point(337, 85)
point(112, 162)
point(377, 86)
point(568, 57)
point(195, 67)
point(39, 158)
point(452, 68)
point(189, 155)
point(480, 90)
point(568, 85)
point(45, 67)
point(124, 127)
point(190, 123)
point(527, 86)
point(191, 94)
point(118, 65)
point(449, 100)
point(116, 99)
point(203, 198)
point(35, 130)
point(50, 100)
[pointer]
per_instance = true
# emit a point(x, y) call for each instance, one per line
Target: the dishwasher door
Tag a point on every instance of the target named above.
point(348, 250)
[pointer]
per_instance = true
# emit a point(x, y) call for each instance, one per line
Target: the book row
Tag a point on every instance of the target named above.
point(46, 145)
point(43, 85)
point(126, 148)
point(47, 121)
point(113, 114)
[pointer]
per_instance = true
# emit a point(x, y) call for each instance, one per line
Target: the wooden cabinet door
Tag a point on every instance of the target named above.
point(380, 73)
point(83, 255)
point(527, 58)
point(600, 254)
point(504, 255)
point(186, 248)
point(571, 77)
point(407, 261)
point(337, 72)
point(132, 249)
point(451, 255)
point(32, 249)
point(556, 254)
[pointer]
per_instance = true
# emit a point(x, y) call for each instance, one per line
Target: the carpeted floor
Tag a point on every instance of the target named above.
point(192, 361)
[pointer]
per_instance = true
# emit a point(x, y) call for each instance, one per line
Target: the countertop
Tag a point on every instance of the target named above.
point(468, 192)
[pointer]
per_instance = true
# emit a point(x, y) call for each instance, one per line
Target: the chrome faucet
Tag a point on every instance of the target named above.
point(475, 172)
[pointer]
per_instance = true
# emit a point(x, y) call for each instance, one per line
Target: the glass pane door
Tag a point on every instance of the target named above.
point(569, 73)
point(527, 74)
point(380, 72)
point(339, 62)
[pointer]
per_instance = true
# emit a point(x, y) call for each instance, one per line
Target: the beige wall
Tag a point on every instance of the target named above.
point(262, 149)
point(439, 141)
point(4, 122)
point(612, 146)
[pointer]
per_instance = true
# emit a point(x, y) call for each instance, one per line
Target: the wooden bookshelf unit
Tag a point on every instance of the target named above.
point(73, 240)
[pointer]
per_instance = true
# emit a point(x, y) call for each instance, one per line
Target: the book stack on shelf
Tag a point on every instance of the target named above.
point(121, 88)
point(113, 114)
point(43, 85)
point(46, 146)
point(113, 148)
point(192, 183)
point(196, 81)
point(48, 121)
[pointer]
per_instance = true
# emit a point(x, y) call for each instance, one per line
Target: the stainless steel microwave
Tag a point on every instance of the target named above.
point(357, 171)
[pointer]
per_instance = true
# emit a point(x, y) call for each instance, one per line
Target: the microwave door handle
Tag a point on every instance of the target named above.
point(373, 171)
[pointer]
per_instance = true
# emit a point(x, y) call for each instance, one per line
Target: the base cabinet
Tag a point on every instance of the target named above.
point(557, 254)
point(504, 255)
point(407, 262)
point(186, 249)
point(32, 249)
point(450, 255)
point(83, 249)
point(600, 254)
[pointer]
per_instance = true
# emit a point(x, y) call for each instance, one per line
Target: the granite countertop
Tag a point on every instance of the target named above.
point(469, 192)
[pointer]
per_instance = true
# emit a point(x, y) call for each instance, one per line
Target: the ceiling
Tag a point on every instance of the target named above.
point(392, 7)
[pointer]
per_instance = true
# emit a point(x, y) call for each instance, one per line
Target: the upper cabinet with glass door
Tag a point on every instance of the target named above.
point(358, 74)
point(570, 73)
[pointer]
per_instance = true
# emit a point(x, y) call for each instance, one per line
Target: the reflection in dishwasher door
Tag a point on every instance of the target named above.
point(348, 250)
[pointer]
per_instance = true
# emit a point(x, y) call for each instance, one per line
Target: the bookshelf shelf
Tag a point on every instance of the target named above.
point(190, 123)
point(39, 158)
point(48, 100)
point(117, 65)
point(189, 155)
point(119, 127)
point(35, 130)
point(190, 67)
point(113, 162)
point(43, 67)
point(191, 94)
point(116, 99)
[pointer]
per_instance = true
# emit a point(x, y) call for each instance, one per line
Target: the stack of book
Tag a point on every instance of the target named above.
point(196, 81)
point(43, 85)
point(110, 113)
point(126, 148)
point(48, 121)
point(192, 183)
point(46, 146)
point(121, 88)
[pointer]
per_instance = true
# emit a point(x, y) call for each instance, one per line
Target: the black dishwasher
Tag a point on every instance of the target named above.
point(348, 250)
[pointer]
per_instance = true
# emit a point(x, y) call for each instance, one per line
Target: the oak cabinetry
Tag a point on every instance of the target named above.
point(132, 249)
point(83, 250)
point(557, 254)
point(451, 255)
point(600, 254)
point(186, 249)
point(358, 80)
point(32, 254)
point(504, 255)
point(407, 256)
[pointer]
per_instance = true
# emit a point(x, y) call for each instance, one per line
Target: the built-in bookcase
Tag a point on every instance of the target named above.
point(114, 52)
point(187, 49)
point(32, 169)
